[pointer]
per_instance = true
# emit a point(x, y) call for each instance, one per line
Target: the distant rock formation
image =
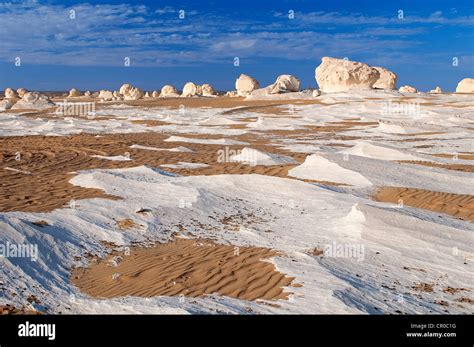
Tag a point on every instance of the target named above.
point(207, 90)
point(147, 95)
point(125, 88)
point(117, 96)
point(73, 93)
point(5, 104)
point(133, 94)
point(87, 94)
point(155, 94)
point(21, 92)
point(33, 100)
point(340, 75)
point(232, 94)
point(105, 95)
point(129, 92)
point(387, 79)
point(10, 94)
point(316, 93)
point(407, 89)
point(465, 86)
point(284, 84)
point(168, 92)
point(246, 85)
point(437, 90)
point(191, 89)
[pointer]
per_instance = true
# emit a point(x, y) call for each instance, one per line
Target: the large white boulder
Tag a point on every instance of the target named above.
point(155, 94)
point(6, 104)
point(284, 84)
point(407, 89)
point(168, 92)
point(73, 93)
point(387, 79)
point(208, 90)
point(105, 95)
point(133, 94)
point(465, 86)
point(125, 88)
point(21, 92)
point(339, 75)
point(87, 93)
point(246, 85)
point(191, 89)
point(33, 100)
point(128, 92)
point(437, 90)
point(10, 94)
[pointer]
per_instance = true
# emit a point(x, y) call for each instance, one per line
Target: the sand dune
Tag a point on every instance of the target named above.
point(457, 205)
point(186, 267)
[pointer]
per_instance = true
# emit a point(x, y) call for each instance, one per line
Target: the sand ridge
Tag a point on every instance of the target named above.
point(457, 205)
point(185, 267)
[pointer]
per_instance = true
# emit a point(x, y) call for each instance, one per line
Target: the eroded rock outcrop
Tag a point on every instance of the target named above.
point(387, 79)
point(33, 100)
point(246, 85)
point(105, 95)
point(21, 92)
point(437, 90)
point(5, 104)
point(407, 89)
point(207, 90)
point(10, 94)
point(73, 93)
point(190, 89)
point(168, 91)
point(465, 86)
point(284, 84)
point(340, 75)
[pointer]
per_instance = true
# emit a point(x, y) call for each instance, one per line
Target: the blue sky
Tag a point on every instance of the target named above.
point(88, 52)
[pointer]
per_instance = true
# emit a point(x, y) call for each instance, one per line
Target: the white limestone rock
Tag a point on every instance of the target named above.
point(232, 94)
point(105, 95)
point(133, 94)
point(246, 85)
point(316, 93)
point(407, 89)
point(125, 88)
point(284, 84)
point(33, 100)
point(208, 90)
point(437, 90)
point(340, 75)
point(168, 91)
point(465, 86)
point(73, 93)
point(10, 94)
point(21, 92)
point(190, 89)
point(387, 79)
point(6, 104)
